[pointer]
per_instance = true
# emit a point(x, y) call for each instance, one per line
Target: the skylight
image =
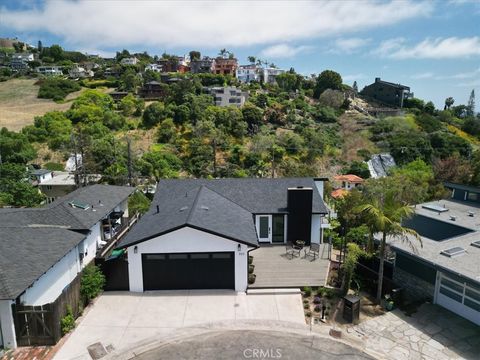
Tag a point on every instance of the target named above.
point(476, 243)
point(455, 251)
point(434, 207)
point(79, 205)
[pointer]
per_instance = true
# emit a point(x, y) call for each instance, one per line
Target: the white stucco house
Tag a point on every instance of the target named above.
point(198, 233)
point(42, 250)
point(129, 61)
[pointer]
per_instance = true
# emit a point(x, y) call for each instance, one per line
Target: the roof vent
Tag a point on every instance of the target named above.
point(476, 243)
point(203, 207)
point(455, 251)
point(471, 214)
point(453, 218)
point(183, 208)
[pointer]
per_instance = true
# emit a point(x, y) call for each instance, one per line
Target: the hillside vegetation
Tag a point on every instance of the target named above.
point(297, 127)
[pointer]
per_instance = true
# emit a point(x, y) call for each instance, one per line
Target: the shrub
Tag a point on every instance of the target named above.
point(54, 166)
point(305, 301)
point(317, 308)
point(251, 278)
point(307, 291)
point(92, 282)
point(57, 89)
point(306, 306)
point(250, 260)
point(317, 300)
point(251, 268)
point(308, 314)
point(68, 321)
point(138, 203)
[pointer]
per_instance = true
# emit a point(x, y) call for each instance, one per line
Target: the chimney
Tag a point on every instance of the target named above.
point(299, 221)
point(377, 79)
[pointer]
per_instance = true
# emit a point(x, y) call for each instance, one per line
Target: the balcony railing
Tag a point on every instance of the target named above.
point(112, 242)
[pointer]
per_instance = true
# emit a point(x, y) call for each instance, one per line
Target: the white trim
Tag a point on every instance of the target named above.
point(257, 225)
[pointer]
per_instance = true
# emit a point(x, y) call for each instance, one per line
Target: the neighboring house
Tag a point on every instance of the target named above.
point(50, 70)
point(269, 75)
point(379, 165)
point(118, 95)
point(129, 61)
point(153, 90)
point(19, 61)
point(79, 72)
point(39, 176)
point(174, 64)
point(248, 73)
point(204, 65)
point(153, 67)
point(60, 184)
point(228, 95)
point(198, 232)
point(345, 183)
point(387, 92)
point(42, 250)
point(225, 66)
point(446, 268)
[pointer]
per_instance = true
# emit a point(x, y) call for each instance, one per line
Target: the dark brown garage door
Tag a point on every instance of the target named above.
point(188, 271)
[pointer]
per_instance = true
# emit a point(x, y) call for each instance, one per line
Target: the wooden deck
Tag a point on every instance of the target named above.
point(276, 270)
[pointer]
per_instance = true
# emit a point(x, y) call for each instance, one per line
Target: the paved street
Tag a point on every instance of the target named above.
point(122, 319)
point(253, 345)
point(432, 333)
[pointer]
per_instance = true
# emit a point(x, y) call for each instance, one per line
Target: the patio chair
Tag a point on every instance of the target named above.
point(292, 250)
point(313, 251)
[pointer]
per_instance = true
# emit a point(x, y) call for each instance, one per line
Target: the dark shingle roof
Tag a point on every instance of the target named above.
point(33, 240)
point(101, 198)
point(27, 253)
point(200, 208)
point(231, 202)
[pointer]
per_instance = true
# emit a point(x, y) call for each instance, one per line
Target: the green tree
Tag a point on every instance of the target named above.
point(167, 131)
point(138, 203)
point(384, 215)
point(154, 114)
point(449, 102)
point(195, 55)
point(471, 104)
point(15, 147)
point(359, 168)
point(253, 116)
point(15, 188)
point(327, 79)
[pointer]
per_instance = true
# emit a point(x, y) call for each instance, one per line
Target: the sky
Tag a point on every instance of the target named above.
point(431, 46)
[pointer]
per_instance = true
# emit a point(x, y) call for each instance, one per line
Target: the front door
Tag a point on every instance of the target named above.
point(264, 228)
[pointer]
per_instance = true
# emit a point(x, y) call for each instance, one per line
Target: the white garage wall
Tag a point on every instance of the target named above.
point(7, 325)
point(187, 240)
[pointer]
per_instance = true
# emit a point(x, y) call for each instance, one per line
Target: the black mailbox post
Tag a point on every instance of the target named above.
point(351, 308)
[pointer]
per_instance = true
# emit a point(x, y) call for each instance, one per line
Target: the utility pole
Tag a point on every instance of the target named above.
point(129, 162)
point(273, 162)
point(75, 172)
point(214, 157)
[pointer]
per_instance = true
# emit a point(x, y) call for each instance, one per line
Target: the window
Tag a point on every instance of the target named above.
point(264, 227)
point(178, 256)
point(451, 294)
point(199, 256)
point(472, 196)
point(221, 256)
point(155, 257)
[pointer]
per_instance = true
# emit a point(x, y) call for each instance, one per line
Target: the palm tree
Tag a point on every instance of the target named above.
point(385, 216)
point(252, 59)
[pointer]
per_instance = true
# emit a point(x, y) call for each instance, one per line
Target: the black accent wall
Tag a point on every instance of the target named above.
point(299, 223)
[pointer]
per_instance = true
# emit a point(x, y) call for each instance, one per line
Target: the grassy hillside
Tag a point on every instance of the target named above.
point(19, 103)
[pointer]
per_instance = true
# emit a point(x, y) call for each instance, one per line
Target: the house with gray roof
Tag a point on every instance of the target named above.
point(198, 232)
point(387, 92)
point(445, 268)
point(42, 250)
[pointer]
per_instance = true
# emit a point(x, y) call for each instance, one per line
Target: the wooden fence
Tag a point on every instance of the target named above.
point(40, 325)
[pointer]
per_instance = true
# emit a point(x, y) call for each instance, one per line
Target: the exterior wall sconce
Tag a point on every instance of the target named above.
point(135, 249)
point(239, 247)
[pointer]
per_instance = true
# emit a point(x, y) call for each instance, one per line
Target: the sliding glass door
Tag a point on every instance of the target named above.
point(278, 228)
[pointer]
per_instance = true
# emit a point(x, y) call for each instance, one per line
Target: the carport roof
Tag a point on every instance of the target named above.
point(200, 208)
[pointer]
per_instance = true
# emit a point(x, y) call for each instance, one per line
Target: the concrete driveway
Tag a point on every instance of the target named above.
point(121, 319)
